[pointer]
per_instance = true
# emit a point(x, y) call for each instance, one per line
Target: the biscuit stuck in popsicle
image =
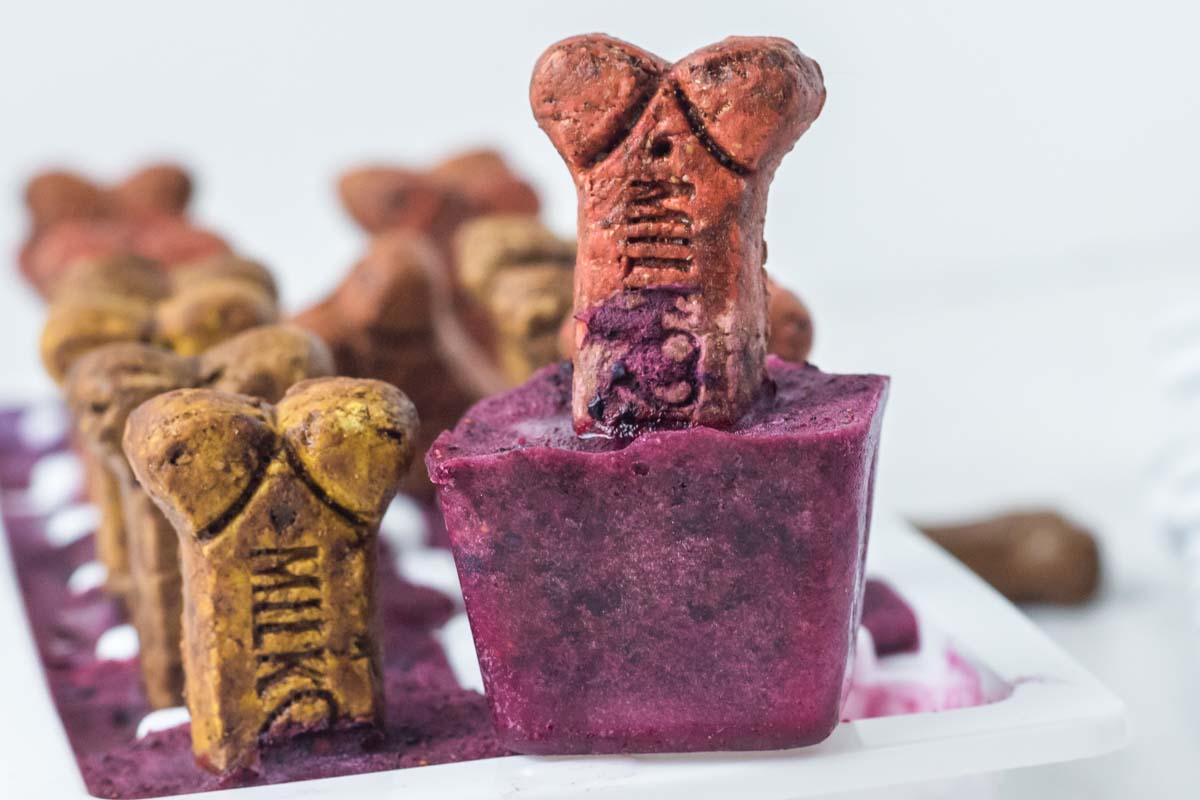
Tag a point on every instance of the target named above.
point(672, 163)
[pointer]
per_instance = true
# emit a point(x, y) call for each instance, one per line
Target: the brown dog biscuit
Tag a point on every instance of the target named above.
point(155, 189)
point(102, 389)
point(380, 323)
point(438, 200)
point(1029, 557)
point(204, 313)
point(186, 322)
point(522, 275)
point(672, 163)
point(277, 511)
point(790, 335)
point(58, 195)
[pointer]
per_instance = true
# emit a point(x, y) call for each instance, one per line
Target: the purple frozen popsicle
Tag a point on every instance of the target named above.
point(686, 590)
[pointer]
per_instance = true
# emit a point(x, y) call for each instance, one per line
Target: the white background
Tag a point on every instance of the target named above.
point(1000, 207)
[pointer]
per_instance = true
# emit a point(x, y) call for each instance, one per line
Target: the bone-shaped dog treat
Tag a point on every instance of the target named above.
point(80, 321)
point(59, 195)
point(790, 331)
point(789, 335)
point(123, 274)
point(438, 200)
point(380, 323)
point(277, 511)
point(672, 163)
point(187, 321)
point(131, 275)
point(1029, 557)
point(102, 388)
point(522, 274)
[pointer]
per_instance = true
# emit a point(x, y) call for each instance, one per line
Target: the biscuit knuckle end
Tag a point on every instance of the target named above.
point(352, 438)
point(265, 361)
point(193, 320)
point(200, 454)
point(225, 266)
point(106, 384)
point(74, 327)
point(373, 195)
point(587, 91)
point(753, 96)
point(116, 274)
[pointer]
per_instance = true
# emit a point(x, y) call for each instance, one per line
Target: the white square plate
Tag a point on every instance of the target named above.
point(1056, 712)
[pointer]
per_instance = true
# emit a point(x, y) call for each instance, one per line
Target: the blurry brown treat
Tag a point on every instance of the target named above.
point(156, 189)
point(102, 389)
point(165, 240)
point(672, 163)
point(1029, 557)
point(227, 266)
point(277, 511)
point(438, 200)
point(379, 323)
point(790, 335)
point(204, 313)
point(188, 321)
point(72, 217)
point(105, 493)
point(486, 181)
point(522, 275)
point(58, 195)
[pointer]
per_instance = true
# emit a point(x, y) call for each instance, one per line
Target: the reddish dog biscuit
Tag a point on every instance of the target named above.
point(438, 200)
point(381, 323)
point(790, 335)
point(58, 195)
point(277, 511)
point(71, 217)
point(672, 163)
point(102, 389)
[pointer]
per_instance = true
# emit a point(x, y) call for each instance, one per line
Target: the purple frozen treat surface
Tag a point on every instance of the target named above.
point(891, 620)
point(686, 590)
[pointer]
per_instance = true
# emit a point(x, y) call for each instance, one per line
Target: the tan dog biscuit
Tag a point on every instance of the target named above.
point(522, 275)
point(277, 511)
point(102, 389)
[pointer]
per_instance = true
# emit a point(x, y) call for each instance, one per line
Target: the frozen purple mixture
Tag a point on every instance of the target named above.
point(686, 590)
